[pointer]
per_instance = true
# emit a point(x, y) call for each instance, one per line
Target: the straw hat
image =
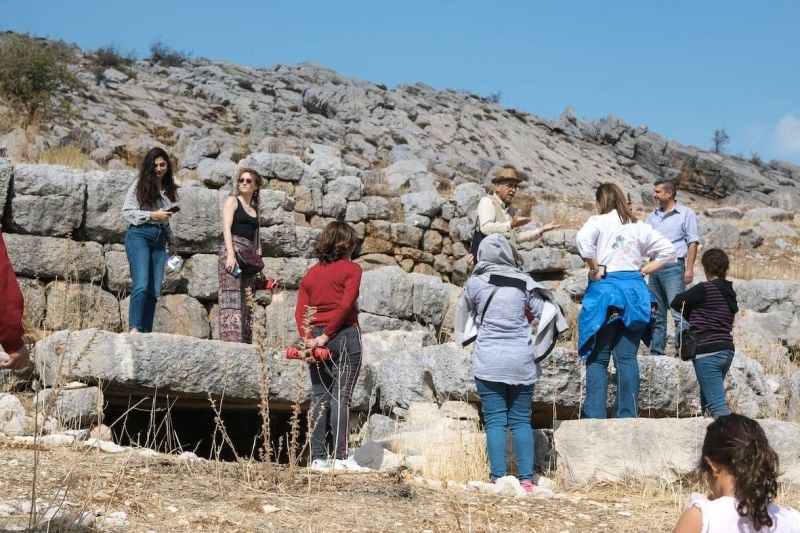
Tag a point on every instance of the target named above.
point(506, 174)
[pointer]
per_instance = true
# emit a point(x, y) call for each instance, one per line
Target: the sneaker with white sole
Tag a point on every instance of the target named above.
point(320, 465)
point(349, 465)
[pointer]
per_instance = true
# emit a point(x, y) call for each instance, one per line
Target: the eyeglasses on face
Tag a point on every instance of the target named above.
point(514, 186)
point(245, 180)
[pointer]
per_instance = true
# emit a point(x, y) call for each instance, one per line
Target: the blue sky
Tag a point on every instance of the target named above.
point(684, 68)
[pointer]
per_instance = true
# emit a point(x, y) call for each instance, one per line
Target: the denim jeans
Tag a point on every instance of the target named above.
point(507, 407)
point(664, 286)
point(332, 383)
point(145, 247)
point(711, 370)
point(623, 342)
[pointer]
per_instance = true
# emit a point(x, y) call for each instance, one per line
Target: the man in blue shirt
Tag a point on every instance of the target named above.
point(679, 224)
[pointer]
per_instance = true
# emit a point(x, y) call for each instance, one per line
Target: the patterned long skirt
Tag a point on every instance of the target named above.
point(234, 313)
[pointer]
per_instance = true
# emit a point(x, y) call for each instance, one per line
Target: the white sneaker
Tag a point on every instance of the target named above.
point(349, 465)
point(320, 465)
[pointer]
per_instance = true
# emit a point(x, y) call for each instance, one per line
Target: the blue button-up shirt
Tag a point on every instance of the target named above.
point(679, 225)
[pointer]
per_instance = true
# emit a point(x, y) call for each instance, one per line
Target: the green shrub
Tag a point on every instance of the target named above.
point(34, 75)
point(112, 56)
point(167, 56)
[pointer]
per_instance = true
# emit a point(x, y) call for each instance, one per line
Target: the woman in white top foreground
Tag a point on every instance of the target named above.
point(616, 306)
point(742, 470)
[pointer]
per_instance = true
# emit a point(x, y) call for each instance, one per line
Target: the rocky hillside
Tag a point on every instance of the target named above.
point(211, 113)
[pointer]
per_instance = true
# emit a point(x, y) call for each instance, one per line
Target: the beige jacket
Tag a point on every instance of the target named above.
point(494, 216)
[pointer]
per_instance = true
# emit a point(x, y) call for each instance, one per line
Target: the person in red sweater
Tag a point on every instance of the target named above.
point(11, 305)
point(327, 315)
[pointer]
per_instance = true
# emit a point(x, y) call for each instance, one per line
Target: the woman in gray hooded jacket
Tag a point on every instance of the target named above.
point(499, 296)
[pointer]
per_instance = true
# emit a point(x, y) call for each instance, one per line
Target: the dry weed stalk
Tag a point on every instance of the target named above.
point(259, 332)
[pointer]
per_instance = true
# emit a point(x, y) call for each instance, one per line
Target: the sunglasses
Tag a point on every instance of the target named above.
point(245, 180)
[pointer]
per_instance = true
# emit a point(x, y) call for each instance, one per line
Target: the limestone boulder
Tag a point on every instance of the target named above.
point(6, 171)
point(287, 271)
point(118, 272)
point(541, 260)
point(197, 227)
point(386, 291)
point(201, 274)
point(73, 408)
point(105, 194)
point(47, 200)
point(215, 173)
point(34, 294)
point(12, 415)
point(176, 365)
point(51, 257)
point(664, 449)
point(280, 166)
point(466, 197)
point(80, 306)
point(764, 295)
point(350, 187)
point(180, 314)
point(280, 325)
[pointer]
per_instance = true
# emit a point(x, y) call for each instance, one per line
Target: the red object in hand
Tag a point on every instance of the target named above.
point(270, 284)
point(320, 353)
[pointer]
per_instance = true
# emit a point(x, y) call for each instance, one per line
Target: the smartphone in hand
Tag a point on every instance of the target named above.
point(173, 209)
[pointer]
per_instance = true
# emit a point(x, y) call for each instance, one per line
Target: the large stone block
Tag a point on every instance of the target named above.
point(178, 314)
point(105, 194)
point(387, 291)
point(202, 277)
point(80, 306)
point(46, 200)
point(664, 449)
point(118, 272)
point(73, 408)
point(35, 301)
point(198, 225)
point(176, 365)
point(50, 258)
point(287, 271)
point(6, 171)
point(281, 166)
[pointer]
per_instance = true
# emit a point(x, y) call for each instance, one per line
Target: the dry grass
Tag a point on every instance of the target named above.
point(163, 493)
point(68, 156)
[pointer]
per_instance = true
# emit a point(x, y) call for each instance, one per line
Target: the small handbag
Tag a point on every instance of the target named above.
point(249, 261)
point(477, 237)
point(688, 345)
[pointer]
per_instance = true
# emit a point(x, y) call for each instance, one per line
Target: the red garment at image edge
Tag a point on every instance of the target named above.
point(333, 290)
point(11, 303)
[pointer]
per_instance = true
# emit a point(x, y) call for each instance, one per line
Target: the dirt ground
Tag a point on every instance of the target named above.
point(164, 493)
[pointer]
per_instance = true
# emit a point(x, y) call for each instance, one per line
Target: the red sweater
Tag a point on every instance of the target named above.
point(332, 289)
point(11, 303)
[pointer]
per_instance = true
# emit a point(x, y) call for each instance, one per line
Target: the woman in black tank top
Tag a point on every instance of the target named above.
point(239, 232)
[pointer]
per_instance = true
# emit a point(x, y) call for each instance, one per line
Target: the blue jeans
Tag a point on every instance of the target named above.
point(145, 247)
point(507, 407)
point(664, 286)
point(623, 342)
point(711, 370)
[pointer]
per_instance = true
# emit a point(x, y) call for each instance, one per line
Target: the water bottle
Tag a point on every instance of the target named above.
point(175, 262)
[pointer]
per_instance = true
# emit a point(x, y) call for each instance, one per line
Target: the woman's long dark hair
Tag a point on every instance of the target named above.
point(738, 444)
point(610, 197)
point(148, 189)
point(336, 241)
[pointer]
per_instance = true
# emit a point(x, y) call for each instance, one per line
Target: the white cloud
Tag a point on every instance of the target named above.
point(786, 136)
